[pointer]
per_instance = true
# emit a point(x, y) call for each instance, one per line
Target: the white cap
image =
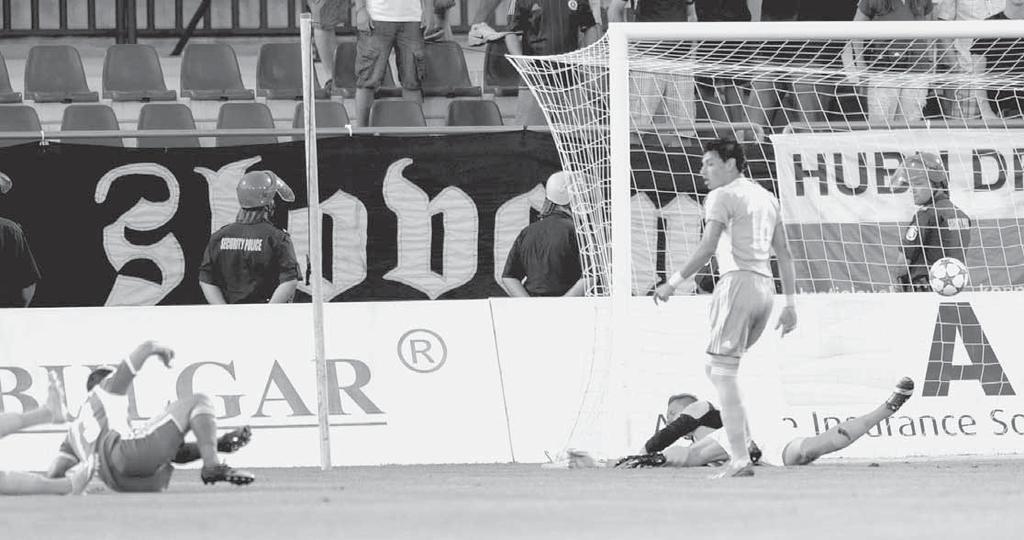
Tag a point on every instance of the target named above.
point(557, 188)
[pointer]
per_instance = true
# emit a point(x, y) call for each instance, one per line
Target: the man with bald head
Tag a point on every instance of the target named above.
point(545, 257)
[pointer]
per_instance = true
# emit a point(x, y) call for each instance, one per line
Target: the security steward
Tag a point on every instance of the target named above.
point(545, 257)
point(939, 229)
point(251, 261)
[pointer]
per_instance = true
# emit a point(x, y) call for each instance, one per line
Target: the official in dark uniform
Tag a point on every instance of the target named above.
point(18, 271)
point(545, 258)
point(939, 229)
point(251, 261)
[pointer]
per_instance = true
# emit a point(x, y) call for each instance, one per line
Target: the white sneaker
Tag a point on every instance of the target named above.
point(80, 475)
point(482, 33)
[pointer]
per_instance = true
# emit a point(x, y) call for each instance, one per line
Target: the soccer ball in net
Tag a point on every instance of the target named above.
point(948, 276)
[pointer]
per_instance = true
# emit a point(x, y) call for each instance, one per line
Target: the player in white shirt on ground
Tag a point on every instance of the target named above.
point(743, 227)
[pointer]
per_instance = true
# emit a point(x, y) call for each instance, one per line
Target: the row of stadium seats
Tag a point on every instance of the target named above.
point(54, 73)
point(236, 115)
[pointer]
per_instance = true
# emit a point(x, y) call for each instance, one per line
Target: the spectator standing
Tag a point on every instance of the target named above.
point(548, 27)
point(959, 102)
point(721, 95)
point(1001, 56)
point(672, 94)
point(384, 25)
point(545, 257)
point(886, 104)
point(18, 271)
point(251, 261)
point(328, 15)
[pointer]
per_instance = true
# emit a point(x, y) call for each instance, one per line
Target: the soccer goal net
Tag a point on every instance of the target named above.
point(827, 113)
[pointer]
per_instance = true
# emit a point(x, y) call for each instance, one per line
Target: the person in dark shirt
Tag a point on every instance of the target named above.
point(251, 261)
point(18, 271)
point(939, 229)
point(1001, 56)
point(546, 253)
point(549, 27)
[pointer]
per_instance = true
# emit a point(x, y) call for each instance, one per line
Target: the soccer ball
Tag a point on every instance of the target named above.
point(948, 276)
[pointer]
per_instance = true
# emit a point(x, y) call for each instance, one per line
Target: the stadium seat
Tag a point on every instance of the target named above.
point(279, 72)
point(245, 116)
point(329, 114)
point(54, 74)
point(19, 118)
point(345, 74)
point(209, 72)
point(446, 71)
point(163, 116)
point(396, 113)
point(7, 94)
point(133, 73)
point(90, 117)
point(500, 76)
point(474, 112)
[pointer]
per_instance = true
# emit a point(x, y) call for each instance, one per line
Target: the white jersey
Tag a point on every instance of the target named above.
point(101, 413)
point(750, 214)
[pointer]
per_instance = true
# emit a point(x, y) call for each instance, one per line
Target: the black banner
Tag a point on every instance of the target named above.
point(405, 217)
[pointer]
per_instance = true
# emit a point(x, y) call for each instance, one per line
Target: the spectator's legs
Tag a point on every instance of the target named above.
point(484, 10)
point(372, 51)
point(409, 59)
point(911, 103)
point(762, 98)
point(712, 103)
point(326, 43)
point(679, 104)
point(811, 101)
point(882, 103)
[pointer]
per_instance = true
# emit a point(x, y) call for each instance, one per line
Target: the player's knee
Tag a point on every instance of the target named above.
point(202, 404)
point(722, 366)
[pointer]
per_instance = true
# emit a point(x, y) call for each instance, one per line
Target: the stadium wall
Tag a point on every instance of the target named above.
point(478, 381)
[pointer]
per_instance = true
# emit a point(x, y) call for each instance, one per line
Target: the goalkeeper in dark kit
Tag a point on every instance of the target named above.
point(939, 229)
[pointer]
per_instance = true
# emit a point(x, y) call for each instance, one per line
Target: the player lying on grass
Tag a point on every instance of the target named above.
point(773, 447)
point(25, 483)
point(132, 461)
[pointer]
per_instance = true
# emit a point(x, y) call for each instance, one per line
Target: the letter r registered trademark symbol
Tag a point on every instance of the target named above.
point(422, 350)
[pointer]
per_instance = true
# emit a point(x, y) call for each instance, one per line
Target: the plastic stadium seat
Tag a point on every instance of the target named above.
point(7, 94)
point(279, 72)
point(158, 116)
point(92, 117)
point(500, 76)
point(345, 74)
point(474, 112)
point(329, 114)
point(19, 118)
point(242, 116)
point(446, 71)
point(396, 113)
point(54, 73)
point(133, 73)
point(209, 72)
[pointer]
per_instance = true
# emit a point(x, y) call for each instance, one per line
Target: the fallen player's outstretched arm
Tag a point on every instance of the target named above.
point(700, 413)
point(119, 382)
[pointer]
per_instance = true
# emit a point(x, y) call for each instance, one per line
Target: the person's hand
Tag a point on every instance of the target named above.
point(663, 292)
point(152, 348)
point(363, 21)
point(314, 8)
point(787, 320)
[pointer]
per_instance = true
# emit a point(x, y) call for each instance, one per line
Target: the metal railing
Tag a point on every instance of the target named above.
point(126, 13)
point(45, 136)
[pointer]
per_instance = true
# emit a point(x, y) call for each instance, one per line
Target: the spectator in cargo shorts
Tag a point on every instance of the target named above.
point(384, 25)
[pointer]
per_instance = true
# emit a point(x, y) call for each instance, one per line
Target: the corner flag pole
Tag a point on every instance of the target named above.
point(315, 236)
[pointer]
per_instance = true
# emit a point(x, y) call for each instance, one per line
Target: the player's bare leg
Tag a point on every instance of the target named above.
point(24, 483)
point(53, 412)
point(723, 371)
point(202, 422)
point(846, 433)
